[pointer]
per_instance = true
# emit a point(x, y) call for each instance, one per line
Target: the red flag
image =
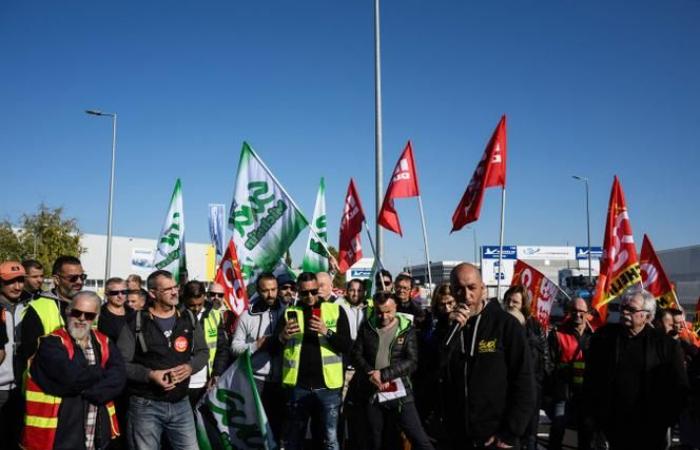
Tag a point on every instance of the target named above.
point(490, 172)
point(404, 184)
point(542, 290)
point(654, 277)
point(349, 247)
point(619, 266)
point(696, 322)
point(230, 277)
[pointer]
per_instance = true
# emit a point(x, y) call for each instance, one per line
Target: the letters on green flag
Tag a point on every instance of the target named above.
point(170, 252)
point(264, 219)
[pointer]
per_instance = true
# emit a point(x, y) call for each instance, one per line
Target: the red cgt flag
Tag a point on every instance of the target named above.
point(654, 277)
point(619, 266)
point(404, 184)
point(349, 247)
point(490, 172)
point(542, 290)
point(230, 277)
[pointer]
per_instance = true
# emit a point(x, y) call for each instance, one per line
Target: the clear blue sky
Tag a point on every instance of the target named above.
point(595, 88)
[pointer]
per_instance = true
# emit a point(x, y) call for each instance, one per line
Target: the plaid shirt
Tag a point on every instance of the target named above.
point(91, 411)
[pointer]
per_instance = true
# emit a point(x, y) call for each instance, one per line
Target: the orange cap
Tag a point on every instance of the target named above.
point(9, 270)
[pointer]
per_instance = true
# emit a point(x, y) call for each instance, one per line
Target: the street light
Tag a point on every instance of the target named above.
point(108, 260)
point(588, 227)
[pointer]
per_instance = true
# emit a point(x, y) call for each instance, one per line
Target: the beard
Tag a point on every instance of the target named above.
point(78, 333)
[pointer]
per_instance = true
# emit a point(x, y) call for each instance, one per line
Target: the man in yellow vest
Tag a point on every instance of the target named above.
point(314, 335)
point(71, 383)
point(47, 313)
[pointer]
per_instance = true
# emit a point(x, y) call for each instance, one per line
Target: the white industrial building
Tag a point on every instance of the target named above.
point(135, 255)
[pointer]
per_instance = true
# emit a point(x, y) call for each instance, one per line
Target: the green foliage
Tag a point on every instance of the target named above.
point(44, 235)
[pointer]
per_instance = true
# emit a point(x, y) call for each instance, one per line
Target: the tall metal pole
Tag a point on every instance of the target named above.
point(588, 228)
point(475, 246)
point(378, 129)
point(501, 273)
point(108, 258)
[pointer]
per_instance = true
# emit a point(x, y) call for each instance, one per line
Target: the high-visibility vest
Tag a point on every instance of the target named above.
point(49, 313)
point(211, 330)
point(41, 413)
point(332, 362)
point(571, 355)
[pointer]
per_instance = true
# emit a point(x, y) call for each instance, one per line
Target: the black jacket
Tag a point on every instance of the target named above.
point(78, 383)
point(403, 359)
point(640, 376)
point(487, 383)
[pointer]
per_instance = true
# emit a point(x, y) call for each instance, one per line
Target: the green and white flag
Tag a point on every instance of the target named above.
point(316, 257)
point(170, 253)
point(231, 415)
point(264, 218)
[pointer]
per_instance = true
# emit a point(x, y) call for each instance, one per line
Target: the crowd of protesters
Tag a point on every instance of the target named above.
point(353, 371)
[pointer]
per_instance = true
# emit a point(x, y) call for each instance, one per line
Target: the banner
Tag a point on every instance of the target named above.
point(542, 290)
point(170, 252)
point(404, 184)
point(654, 277)
point(349, 246)
point(619, 267)
point(231, 415)
point(316, 257)
point(230, 277)
point(264, 218)
point(490, 172)
point(216, 227)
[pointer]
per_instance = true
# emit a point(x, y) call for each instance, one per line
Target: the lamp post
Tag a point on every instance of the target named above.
point(588, 228)
point(378, 174)
point(108, 258)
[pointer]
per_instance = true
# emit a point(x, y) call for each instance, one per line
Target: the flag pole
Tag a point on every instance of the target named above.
point(425, 242)
point(500, 244)
point(377, 259)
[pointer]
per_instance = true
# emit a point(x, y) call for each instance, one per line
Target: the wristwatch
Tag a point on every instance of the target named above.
point(330, 333)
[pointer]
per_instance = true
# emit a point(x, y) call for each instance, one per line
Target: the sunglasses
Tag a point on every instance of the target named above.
point(216, 294)
point(77, 314)
point(74, 278)
point(285, 287)
point(309, 292)
point(123, 292)
point(630, 309)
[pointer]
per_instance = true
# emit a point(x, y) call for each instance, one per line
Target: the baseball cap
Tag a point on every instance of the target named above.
point(9, 270)
point(285, 278)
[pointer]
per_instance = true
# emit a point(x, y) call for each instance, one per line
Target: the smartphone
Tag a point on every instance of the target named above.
point(316, 312)
point(292, 316)
point(168, 377)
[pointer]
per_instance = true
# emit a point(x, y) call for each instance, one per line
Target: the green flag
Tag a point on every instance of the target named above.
point(316, 257)
point(264, 218)
point(170, 253)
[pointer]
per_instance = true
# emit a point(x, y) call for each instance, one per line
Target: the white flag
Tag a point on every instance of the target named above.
point(231, 415)
point(264, 218)
point(316, 257)
point(170, 253)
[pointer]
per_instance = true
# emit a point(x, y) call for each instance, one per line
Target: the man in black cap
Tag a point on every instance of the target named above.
point(286, 289)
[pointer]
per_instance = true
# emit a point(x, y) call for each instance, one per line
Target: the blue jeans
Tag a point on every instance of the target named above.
point(322, 403)
point(148, 419)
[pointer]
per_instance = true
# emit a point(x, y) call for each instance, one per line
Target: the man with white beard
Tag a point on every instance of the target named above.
point(72, 379)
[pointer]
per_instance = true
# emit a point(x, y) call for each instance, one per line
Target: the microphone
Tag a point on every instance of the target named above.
point(455, 325)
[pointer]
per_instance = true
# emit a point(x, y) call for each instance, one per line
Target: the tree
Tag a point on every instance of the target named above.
point(44, 236)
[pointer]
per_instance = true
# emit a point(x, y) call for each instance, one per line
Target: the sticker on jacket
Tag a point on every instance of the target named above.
point(487, 346)
point(181, 344)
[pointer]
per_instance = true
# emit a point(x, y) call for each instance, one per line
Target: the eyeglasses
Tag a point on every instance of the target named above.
point(309, 292)
point(77, 314)
point(630, 309)
point(579, 311)
point(122, 292)
point(216, 294)
point(169, 289)
point(285, 287)
point(74, 278)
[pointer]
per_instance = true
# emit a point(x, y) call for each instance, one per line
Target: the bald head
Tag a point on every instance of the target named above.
point(325, 285)
point(466, 283)
point(578, 309)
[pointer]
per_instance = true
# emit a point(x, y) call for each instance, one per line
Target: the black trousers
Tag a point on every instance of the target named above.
point(405, 415)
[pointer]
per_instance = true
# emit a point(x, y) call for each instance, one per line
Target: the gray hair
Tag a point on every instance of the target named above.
point(90, 295)
point(648, 300)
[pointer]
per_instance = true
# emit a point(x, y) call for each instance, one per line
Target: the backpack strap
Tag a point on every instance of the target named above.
point(139, 334)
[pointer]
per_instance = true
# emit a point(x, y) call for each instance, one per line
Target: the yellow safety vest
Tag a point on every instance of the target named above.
point(211, 329)
point(331, 361)
point(49, 313)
